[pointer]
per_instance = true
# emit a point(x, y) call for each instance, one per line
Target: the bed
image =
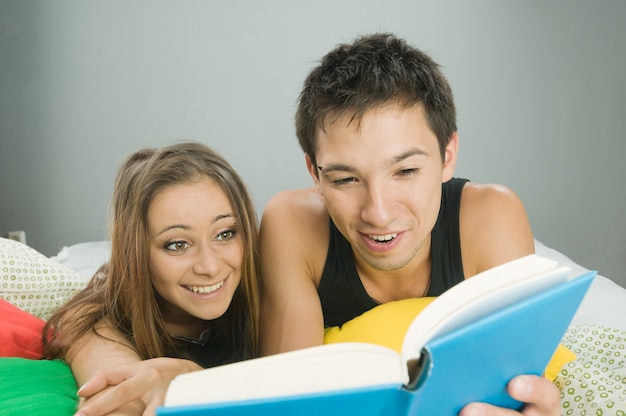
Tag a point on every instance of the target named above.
point(32, 286)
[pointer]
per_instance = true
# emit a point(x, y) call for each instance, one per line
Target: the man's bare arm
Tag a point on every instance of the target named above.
point(291, 314)
point(494, 227)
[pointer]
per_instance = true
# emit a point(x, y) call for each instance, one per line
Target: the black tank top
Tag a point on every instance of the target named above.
point(341, 291)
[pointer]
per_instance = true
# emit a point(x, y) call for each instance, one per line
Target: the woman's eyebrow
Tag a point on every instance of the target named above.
point(188, 227)
point(173, 227)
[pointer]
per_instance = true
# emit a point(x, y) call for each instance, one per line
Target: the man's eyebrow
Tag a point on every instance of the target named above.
point(396, 159)
point(335, 167)
point(414, 151)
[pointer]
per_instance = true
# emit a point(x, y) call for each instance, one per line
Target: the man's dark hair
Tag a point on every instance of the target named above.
point(372, 71)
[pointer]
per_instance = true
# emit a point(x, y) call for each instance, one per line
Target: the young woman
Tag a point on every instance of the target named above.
point(182, 281)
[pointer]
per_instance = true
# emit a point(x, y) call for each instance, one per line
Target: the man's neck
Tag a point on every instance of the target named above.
point(411, 281)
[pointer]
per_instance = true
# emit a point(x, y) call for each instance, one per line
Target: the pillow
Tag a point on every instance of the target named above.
point(36, 387)
point(386, 325)
point(33, 282)
point(84, 258)
point(595, 383)
point(20, 333)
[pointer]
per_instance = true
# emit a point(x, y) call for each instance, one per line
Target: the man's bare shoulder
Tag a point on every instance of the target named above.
point(477, 197)
point(298, 206)
point(294, 234)
point(494, 227)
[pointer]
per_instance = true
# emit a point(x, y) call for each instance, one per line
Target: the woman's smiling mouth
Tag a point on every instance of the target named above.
point(204, 289)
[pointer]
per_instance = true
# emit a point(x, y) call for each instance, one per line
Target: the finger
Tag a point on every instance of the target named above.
point(136, 407)
point(484, 409)
point(541, 395)
point(115, 397)
point(105, 378)
point(153, 400)
point(151, 408)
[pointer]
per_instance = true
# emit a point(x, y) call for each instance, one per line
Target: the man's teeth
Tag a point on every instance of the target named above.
point(205, 289)
point(383, 238)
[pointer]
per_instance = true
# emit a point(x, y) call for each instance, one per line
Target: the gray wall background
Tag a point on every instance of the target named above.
point(539, 86)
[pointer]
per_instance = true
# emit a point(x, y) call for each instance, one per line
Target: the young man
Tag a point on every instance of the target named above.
point(385, 219)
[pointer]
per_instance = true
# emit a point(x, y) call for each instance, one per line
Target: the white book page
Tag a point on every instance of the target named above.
point(479, 296)
point(310, 370)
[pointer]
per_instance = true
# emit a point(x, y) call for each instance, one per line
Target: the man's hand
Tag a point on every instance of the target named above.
point(541, 396)
point(115, 387)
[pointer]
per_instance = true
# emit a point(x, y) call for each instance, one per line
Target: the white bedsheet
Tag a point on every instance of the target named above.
point(84, 258)
point(605, 302)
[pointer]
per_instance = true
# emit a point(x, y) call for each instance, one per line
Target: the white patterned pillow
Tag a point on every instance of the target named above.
point(32, 281)
point(594, 383)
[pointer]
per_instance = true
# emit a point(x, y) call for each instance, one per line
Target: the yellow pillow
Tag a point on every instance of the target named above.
point(386, 325)
point(561, 356)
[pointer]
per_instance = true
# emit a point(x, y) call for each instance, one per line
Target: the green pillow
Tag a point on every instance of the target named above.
point(36, 387)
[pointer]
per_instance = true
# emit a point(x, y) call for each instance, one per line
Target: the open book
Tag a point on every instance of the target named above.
point(463, 347)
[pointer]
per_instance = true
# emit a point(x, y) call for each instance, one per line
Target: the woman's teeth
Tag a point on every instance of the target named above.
point(205, 289)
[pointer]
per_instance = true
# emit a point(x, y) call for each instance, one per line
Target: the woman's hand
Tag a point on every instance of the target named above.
point(541, 396)
point(116, 387)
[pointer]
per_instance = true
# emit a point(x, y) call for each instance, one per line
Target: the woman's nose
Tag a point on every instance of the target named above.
point(207, 261)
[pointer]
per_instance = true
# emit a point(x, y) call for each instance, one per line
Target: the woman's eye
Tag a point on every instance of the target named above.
point(226, 235)
point(177, 245)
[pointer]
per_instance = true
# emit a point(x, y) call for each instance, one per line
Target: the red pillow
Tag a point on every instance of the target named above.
point(20, 332)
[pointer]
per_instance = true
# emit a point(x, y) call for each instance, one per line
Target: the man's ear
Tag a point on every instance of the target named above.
point(313, 171)
point(450, 157)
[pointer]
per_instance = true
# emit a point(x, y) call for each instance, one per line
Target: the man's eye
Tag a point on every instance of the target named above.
point(408, 172)
point(343, 181)
point(226, 235)
point(177, 245)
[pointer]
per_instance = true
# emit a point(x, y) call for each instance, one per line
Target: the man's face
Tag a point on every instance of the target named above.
point(381, 182)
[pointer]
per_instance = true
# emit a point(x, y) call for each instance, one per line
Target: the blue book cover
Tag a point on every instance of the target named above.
point(498, 329)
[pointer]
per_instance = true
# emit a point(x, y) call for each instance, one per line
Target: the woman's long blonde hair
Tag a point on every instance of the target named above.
point(121, 292)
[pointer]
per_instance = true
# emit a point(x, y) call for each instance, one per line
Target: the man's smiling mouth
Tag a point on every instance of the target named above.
point(383, 238)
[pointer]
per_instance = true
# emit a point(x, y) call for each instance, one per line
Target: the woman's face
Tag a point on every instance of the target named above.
point(196, 253)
